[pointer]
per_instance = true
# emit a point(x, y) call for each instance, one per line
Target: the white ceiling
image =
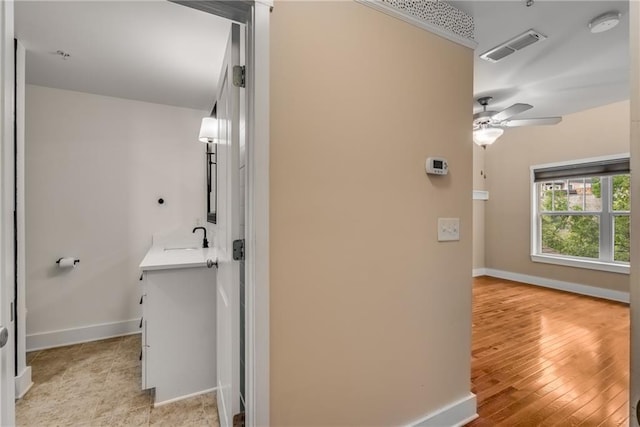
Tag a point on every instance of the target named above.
point(153, 51)
point(161, 52)
point(572, 70)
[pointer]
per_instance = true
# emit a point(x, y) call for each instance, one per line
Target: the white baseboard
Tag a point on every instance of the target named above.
point(64, 337)
point(479, 272)
point(455, 414)
point(188, 396)
point(23, 382)
point(575, 288)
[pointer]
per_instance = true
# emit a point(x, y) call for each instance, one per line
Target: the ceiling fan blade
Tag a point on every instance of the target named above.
point(510, 112)
point(545, 121)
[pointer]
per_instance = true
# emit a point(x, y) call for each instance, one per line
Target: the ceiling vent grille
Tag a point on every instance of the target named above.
point(509, 47)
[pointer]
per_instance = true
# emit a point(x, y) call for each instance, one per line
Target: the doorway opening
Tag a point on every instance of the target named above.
point(111, 163)
point(519, 246)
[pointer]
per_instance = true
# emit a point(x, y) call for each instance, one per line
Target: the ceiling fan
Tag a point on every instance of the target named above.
point(489, 125)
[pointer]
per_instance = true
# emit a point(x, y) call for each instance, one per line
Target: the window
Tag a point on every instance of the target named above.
point(581, 214)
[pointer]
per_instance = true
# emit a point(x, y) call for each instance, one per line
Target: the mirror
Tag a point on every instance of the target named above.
point(212, 169)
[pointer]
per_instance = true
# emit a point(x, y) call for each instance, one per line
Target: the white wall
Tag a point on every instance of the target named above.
point(95, 168)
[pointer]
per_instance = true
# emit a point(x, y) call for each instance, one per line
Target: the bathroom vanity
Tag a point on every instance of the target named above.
point(178, 298)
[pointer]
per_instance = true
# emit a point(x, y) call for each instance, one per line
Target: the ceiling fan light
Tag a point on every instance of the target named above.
point(486, 135)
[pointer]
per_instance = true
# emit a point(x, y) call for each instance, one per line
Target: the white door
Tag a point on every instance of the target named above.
point(228, 229)
point(7, 156)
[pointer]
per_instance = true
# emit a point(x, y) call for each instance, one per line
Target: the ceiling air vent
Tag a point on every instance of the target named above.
point(517, 43)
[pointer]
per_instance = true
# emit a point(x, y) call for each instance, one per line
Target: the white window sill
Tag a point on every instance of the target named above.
point(611, 267)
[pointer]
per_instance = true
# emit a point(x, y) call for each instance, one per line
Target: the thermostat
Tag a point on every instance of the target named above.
point(437, 166)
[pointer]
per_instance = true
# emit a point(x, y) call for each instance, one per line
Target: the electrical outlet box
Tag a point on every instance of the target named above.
point(448, 229)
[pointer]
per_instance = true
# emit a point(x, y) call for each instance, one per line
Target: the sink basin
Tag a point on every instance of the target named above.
point(181, 249)
point(180, 254)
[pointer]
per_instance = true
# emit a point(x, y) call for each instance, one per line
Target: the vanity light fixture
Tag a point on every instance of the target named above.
point(486, 135)
point(209, 130)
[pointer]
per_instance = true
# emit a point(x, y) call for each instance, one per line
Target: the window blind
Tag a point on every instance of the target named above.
point(579, 170)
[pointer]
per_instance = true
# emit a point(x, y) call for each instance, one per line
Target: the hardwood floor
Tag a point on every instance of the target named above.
point(542, 357)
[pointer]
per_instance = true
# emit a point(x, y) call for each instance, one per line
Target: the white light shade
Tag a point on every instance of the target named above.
point(486, 136)
point(209, 130)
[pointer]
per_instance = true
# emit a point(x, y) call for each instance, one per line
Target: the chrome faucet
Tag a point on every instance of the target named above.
point(205, 242)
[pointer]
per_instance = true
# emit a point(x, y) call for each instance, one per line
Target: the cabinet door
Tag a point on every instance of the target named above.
point(180, 335)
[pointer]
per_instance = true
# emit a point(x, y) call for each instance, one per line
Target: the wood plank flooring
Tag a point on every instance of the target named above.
point(542, 357)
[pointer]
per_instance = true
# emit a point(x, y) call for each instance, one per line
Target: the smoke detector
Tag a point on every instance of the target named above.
point(604, 22)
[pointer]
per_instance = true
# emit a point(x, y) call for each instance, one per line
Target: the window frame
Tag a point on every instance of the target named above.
point(607, 216)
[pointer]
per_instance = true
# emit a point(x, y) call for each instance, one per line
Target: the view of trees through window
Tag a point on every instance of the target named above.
point(571, 212)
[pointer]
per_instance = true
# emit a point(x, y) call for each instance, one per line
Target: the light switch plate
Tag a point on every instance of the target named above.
point(448, 229)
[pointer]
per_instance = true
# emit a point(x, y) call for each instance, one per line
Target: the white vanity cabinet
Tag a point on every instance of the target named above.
point(178, 330)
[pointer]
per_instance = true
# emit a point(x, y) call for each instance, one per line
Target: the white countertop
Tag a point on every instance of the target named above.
point(160, 259)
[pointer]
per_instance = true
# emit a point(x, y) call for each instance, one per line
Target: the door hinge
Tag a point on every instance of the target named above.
point(239, 72)
point(238, 250)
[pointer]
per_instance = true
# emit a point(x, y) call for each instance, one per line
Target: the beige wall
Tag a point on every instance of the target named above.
point(479, 183)
point(591, 133)
point(95, 168)
point(370, 315)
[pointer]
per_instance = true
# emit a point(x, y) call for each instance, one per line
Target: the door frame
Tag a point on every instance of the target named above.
point(257, 218)
point(7, 232)
point(256, 16)
point(23, 372)
point(634, 278)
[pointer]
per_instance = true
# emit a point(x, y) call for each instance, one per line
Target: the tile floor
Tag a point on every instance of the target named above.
point(98, 384)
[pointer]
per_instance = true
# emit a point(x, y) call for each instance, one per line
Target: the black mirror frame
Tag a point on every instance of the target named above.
point(211, 187)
